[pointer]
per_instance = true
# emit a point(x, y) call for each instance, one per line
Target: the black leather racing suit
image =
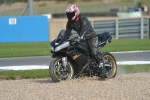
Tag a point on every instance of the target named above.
point(84, 29)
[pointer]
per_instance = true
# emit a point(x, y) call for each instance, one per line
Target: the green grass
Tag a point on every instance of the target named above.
point(23, 74)
point(126, 69)
point(42, 48)
point(44, 73)
point(24, 49)
point(127, 45)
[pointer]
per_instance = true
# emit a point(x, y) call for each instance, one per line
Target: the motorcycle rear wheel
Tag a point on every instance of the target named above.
point(109, 58)
point(58, 72)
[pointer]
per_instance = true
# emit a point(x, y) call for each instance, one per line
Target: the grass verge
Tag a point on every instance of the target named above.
point(42, 48)
point(126, 69)
point(23, 74)
point(24, 49)
point(44, 73)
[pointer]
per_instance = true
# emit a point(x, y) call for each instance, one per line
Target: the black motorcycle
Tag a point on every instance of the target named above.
point(72, 59)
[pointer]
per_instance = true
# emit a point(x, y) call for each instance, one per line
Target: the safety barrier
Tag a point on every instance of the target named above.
point(24, 29)
point(123, 28)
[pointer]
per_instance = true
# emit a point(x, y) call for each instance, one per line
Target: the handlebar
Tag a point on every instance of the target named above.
point(75, 40)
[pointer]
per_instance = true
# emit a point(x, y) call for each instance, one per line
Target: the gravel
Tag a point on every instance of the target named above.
point(123, 87)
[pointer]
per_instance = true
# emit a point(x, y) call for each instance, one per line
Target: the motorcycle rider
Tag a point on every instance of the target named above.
point(82, 26)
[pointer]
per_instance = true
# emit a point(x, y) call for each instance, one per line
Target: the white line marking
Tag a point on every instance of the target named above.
point(24, 67)
point(31, 67)
point(132, 62)
point(132, 51)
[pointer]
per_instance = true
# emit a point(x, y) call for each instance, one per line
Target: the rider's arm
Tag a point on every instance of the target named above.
point(68, 28)
point(84, 27)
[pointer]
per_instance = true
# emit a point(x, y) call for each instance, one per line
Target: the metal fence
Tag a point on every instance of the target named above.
point(123, 28)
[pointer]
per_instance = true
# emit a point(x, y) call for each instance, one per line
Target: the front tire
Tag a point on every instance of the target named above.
point(58, 72)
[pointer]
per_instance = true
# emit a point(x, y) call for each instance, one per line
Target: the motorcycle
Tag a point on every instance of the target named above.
point(72, 59)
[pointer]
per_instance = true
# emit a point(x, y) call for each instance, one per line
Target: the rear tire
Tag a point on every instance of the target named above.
point(57, 71)
point(109, 58)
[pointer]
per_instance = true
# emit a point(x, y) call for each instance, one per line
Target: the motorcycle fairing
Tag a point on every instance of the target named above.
point(79, 58)
point(103, 38)
point(82, 47)
point(63, 35)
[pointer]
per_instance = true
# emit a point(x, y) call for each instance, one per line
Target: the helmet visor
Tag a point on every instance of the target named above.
point(70, 15)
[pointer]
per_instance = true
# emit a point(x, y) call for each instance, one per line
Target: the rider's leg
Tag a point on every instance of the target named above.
point(93, 44)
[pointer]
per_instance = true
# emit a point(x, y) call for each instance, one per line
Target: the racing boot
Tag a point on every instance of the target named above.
point(101, 65)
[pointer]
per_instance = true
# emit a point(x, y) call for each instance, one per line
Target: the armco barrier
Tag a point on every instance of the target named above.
point(123, 28)
point(24, 29)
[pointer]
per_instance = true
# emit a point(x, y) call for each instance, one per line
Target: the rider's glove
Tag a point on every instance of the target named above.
point(76, 39)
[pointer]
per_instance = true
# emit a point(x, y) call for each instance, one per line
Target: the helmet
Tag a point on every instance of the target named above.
point(72, 12)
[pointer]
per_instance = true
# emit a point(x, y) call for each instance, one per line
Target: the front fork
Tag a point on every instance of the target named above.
point(64, 62)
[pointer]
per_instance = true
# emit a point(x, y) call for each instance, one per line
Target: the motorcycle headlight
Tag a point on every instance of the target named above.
point(57, 48)
point(62, 46)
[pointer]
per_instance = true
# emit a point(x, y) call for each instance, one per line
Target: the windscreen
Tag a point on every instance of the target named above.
point(62, 36)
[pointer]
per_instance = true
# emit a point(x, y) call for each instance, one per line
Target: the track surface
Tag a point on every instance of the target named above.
point(45, 60)
point(28, 63)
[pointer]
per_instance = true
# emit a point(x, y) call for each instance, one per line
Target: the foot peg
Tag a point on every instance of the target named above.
point(103, 73)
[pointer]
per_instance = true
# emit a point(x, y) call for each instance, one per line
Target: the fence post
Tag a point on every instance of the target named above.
point(28, 6)
point(30, 3)
point(142, 28)
point(149, 27)
point(117, 29)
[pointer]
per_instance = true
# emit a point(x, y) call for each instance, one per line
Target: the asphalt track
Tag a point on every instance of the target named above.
point(42, 62)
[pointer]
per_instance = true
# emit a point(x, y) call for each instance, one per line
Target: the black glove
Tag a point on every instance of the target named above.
point(76, 39)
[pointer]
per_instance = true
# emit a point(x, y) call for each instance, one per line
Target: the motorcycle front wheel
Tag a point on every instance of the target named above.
point(58, 72)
